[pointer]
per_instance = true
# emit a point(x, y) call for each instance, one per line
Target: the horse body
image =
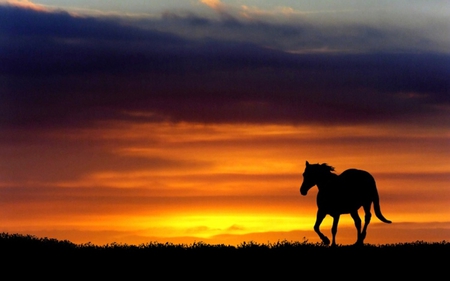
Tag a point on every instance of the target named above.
point(342, 194)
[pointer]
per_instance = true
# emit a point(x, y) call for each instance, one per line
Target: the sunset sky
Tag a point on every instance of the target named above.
point(191, 120)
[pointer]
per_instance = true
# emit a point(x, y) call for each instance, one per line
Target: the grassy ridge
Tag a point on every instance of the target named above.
point(199, 259)
point(32, 243)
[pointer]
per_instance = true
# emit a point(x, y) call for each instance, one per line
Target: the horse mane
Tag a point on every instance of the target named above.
point(327, 167)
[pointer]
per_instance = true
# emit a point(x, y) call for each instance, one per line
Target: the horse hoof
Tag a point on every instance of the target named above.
point(326, 241)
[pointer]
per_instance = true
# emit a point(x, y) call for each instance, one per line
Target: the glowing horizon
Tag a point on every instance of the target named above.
point(198, 188)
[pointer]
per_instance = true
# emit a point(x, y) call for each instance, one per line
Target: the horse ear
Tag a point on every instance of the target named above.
point(307, 163)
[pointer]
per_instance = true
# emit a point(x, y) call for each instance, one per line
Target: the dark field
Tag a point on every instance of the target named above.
point(29, 256)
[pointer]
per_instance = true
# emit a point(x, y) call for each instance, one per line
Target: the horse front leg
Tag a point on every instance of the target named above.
point(319, 219)
point(334, 229)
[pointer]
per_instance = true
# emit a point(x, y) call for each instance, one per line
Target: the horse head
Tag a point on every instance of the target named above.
point(313, 174)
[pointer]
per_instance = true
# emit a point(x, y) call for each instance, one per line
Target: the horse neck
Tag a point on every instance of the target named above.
point(326, 181)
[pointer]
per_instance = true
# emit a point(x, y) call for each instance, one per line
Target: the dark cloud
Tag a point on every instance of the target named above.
point(61, 70)
point(344, 33)
point(65, 161)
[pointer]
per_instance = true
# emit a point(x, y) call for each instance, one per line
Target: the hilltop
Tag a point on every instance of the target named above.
point(47, 256)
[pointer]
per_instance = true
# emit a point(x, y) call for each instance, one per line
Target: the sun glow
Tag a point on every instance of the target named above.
point(209, 225)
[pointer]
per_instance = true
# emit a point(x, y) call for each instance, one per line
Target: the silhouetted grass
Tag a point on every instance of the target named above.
point(250, 259)
point(33, 243)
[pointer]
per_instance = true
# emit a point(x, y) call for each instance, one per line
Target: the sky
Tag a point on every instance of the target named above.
point(184, 121)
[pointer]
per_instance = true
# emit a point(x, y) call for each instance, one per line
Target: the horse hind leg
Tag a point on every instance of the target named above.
point(357, 221)
point(368, 216)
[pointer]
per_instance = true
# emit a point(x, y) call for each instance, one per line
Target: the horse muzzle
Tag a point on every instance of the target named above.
point(303, 191)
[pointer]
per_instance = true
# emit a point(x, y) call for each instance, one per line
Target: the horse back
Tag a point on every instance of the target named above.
point(359, 183)
point(349, 191)
point(355, 175)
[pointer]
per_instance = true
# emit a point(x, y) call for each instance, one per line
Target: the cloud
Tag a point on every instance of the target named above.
point(213, 4)
point(24, 4)
point(236, 228)
point(59, 70)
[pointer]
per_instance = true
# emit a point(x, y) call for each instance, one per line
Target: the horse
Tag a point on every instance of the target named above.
point(342, 194)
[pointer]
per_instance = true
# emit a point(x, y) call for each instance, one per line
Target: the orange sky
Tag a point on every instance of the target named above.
point(131, 183)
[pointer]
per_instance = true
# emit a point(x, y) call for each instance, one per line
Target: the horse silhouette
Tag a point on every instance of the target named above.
point(342, 194)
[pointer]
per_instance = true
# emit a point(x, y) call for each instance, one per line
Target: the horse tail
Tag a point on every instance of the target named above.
point(376, 207)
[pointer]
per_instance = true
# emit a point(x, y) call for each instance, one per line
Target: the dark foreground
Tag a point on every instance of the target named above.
point(29, 256)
